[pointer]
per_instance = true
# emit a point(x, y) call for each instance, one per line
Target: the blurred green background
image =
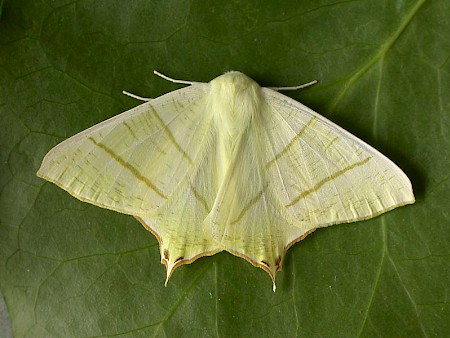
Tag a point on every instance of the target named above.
point(71, 269)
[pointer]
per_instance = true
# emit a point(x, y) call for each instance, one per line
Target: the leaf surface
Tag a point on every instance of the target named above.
point(71, 269)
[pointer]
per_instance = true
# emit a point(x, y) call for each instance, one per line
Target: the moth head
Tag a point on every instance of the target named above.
point(234, 100)
point(233, 83)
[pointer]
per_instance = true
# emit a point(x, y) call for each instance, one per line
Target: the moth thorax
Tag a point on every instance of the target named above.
point(235, 101)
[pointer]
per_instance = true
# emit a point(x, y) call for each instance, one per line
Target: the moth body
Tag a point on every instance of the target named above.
point(234, 100)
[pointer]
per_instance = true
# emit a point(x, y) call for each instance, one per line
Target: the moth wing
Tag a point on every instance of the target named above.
point(324, 175)
point(132, 162)
point(295, 171)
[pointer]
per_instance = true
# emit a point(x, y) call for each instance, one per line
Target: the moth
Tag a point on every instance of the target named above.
point(227, 165)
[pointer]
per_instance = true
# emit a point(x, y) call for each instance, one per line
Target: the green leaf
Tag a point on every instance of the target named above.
point(71, 269)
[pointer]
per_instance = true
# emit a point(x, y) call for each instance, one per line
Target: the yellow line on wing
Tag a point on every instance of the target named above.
point(170, 135)
point(200, 199)
point(128, 166)
point(130, 130)
point(247, 207)
point(290, 144)
point(331, 143)
point(326, 180)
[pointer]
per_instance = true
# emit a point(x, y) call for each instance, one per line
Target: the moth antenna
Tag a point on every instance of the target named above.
point(165, 77)
point(295, 87)
point(134, 96)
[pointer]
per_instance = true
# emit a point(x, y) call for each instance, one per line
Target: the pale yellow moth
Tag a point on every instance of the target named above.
point(227, 165)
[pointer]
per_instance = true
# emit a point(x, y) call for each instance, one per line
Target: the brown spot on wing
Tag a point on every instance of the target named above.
point(265, 263)
point(278, 263)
